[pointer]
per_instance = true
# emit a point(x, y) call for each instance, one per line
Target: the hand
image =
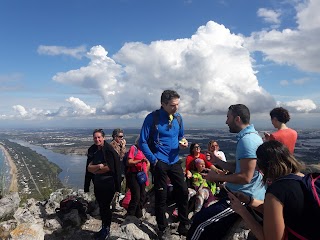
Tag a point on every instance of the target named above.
point(123, 142)
point(242, 197)
point(266, 135)
point(211, 176)
point(183, 143)
point(189, 174)
point(236, 204)
point(217, 170)
point(208, 156)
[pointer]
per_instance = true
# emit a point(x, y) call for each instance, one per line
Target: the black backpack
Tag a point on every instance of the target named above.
point(154, 128)
point(311, 186)
point(73, 202)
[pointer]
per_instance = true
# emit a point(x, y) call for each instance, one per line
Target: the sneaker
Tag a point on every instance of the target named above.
point(116, 207)
point(183, 229)
point(121, 196)
point(165, 234)
point(103, 234)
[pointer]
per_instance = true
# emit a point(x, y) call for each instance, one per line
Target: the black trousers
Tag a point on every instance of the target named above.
point(104, 191)
point(161, 172)
point(212, 222)
point(138, 195)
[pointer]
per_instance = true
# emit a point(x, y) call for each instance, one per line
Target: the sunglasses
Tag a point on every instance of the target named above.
point(197, 147)
point(120, 136)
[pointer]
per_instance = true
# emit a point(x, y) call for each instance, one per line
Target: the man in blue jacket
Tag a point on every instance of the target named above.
point(161, 136)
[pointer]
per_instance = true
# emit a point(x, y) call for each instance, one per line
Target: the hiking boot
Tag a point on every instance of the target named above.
point(183, 229)
point(103, 234)
point(165, 234)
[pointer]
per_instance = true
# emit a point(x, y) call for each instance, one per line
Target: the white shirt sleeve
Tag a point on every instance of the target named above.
point(223, 157)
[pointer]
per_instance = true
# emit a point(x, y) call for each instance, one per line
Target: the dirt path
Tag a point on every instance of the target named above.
point(13, 171)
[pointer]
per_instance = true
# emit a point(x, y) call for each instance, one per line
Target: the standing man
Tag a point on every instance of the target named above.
point(163, 130)
point(215, 221)
point(119, 145)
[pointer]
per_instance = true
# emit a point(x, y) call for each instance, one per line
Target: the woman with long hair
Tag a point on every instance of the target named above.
point(286, 204)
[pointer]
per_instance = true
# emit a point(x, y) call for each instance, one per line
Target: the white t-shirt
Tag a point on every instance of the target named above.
point(221, 154)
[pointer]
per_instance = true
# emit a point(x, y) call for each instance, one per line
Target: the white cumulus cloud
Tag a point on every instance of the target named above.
point(303, 105)
point(297, 46)
point(80, 108)
point(210, 70)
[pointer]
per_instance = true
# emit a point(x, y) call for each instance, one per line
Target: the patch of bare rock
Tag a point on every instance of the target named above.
point(35, 220)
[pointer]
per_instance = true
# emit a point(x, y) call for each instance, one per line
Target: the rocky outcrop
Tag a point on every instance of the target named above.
point(8, 205)
point(39, 220)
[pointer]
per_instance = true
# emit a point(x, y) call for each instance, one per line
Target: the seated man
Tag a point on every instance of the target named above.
point(215, 220)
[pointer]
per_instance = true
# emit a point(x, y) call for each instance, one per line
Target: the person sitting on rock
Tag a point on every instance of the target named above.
point(195, 152)
point(203, 189)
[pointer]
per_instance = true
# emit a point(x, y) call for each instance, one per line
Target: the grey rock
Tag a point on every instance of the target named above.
point(28, 231)
point(8, 205)
point(23, 215)
point(6, 227)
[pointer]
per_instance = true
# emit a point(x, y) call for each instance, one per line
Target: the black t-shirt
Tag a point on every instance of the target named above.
point(296, 210)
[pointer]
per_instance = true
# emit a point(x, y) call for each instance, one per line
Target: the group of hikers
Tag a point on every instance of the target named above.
point(252, 187)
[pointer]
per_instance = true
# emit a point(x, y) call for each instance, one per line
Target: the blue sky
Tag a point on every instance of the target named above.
point(105, 63)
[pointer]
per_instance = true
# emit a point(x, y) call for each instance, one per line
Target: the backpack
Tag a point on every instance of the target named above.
point(125, 157)
point(311, 186)
point(154, 128)
point(73, 202)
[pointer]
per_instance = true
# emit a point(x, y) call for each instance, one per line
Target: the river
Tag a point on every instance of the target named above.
point(73, 166)
point(4, 172)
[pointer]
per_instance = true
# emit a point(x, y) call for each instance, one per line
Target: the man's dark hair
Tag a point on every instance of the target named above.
point(167, 95)
point(281, 114)
point(116, 132)
point(242, 111)
point(98, 130)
